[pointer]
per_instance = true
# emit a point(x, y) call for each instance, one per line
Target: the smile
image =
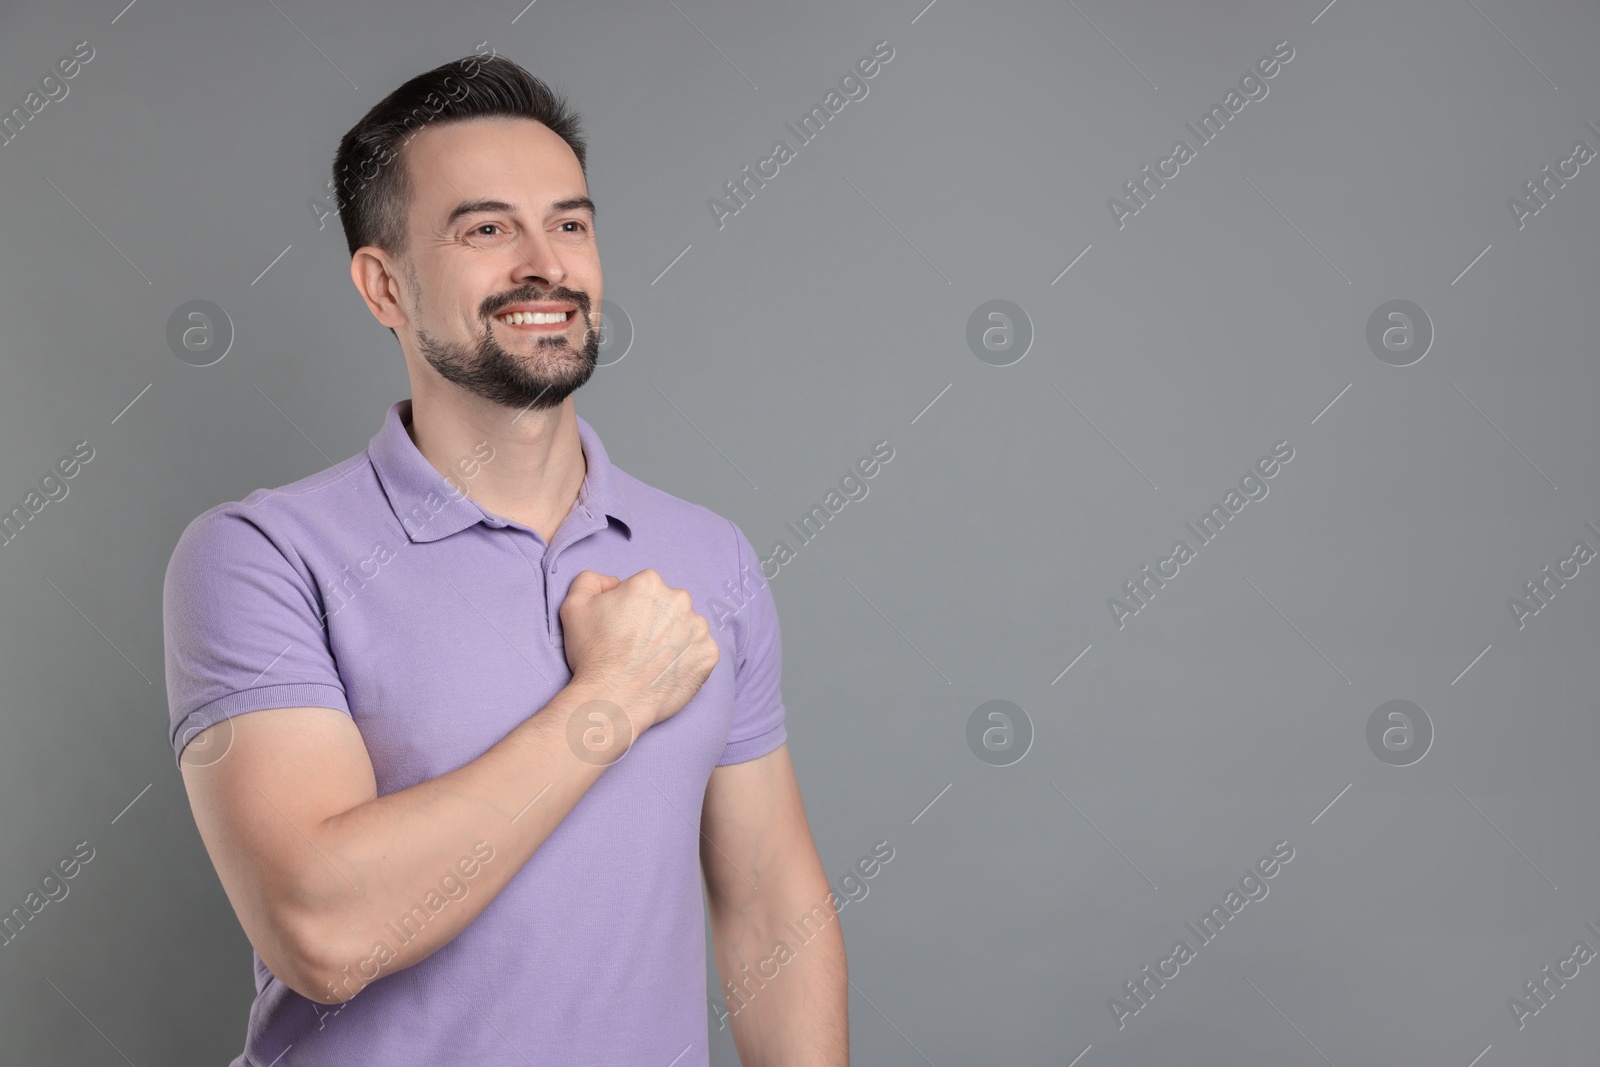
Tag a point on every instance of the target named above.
point(534, 318)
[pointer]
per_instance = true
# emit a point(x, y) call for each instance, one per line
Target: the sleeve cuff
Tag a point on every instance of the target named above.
point(751, 748)
point(296, 695)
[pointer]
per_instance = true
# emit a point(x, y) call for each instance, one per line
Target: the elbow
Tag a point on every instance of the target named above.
point(317, 981)
point(309, 978)
point(305, 977)
point(319, 991)
point(332, 954)
point(316, 969)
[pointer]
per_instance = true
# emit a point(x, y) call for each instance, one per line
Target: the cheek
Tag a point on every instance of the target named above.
point(590, 285)
point(582, 262)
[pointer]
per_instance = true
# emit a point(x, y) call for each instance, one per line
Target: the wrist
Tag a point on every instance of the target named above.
point(587, 689)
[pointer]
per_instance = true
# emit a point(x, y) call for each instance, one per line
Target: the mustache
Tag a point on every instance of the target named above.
point(492, 306)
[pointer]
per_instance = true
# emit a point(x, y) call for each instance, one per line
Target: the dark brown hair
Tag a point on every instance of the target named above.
point(371, 187)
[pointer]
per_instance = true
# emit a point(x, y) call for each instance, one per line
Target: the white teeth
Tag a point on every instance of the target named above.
point(521, 318)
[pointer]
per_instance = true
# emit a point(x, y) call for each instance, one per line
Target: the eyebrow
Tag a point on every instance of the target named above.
point(473, 207)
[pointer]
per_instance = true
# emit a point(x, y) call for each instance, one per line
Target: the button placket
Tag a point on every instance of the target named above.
point(563, 539)
point(522, 550)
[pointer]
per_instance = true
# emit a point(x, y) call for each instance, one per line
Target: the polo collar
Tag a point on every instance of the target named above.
point(429, 507)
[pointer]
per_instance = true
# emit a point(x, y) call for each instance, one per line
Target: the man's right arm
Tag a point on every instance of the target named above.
point(316, 864)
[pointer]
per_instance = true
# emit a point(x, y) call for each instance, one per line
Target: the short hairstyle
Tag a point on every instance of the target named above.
point(372, 195)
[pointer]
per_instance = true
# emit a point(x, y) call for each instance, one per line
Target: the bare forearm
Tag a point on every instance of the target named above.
point(784, 980)
point(475, 827)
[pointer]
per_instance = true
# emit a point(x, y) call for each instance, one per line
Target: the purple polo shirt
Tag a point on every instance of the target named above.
point(377, 588)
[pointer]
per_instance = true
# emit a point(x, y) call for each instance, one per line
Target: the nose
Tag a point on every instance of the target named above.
point(537, 261)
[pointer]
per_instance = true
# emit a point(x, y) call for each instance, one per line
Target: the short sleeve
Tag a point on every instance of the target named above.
point(242, 627)
point(758, 714)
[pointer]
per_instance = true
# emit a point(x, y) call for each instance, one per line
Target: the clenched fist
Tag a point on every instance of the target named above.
point(638, 640)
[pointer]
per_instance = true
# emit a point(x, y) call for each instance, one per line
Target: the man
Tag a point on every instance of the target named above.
point(460, 823)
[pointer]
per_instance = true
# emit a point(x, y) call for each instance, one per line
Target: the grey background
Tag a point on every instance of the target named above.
point(827, 315)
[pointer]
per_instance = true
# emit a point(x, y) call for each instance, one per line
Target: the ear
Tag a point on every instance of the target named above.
point(377, 278)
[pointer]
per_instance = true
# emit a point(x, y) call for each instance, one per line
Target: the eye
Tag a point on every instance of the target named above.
point(577, 223)
point(485, 226)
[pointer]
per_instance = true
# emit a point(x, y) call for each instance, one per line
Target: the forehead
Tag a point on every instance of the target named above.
point(516, 160)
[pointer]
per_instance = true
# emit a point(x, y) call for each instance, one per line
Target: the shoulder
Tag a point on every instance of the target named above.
point(306, 512)
point(657, 513)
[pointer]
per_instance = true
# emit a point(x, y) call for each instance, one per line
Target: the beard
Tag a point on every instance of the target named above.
point(542, 380)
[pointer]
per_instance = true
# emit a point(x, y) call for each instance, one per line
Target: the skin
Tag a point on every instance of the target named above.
point(474, 379)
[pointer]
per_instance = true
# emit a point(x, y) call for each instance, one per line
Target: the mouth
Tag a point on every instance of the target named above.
point(537, 321)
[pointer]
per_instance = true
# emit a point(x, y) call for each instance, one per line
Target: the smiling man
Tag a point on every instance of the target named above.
point(455, 730)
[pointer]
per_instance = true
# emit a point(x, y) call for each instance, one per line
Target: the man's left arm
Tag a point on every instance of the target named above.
point(779, 949)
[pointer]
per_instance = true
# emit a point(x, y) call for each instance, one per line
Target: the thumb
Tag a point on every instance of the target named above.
point(589, 584)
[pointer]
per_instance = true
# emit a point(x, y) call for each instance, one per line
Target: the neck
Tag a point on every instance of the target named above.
point(535, 464)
